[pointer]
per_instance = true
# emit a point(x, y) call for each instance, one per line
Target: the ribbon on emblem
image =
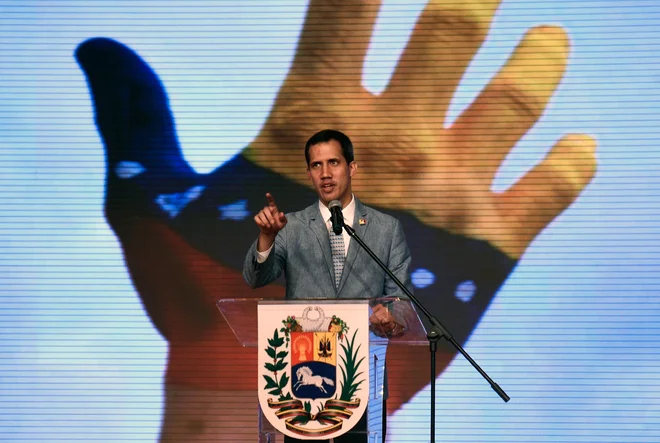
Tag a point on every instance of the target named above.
point(333, 414)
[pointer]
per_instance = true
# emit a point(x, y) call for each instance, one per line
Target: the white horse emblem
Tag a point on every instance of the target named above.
point(306, 377)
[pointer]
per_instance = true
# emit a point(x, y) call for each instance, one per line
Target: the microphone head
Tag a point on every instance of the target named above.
point(334, 204)
point(337, 217)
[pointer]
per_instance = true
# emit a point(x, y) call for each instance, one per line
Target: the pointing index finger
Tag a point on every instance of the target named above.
point(270, 200)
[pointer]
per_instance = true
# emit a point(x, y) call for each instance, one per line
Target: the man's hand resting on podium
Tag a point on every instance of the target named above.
point(383, 324)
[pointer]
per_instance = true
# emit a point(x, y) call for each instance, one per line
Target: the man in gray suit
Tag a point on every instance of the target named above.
point(316, 262)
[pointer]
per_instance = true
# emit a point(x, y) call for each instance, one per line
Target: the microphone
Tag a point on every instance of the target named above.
point(337, 217)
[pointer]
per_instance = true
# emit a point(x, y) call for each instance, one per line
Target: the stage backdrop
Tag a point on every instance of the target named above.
point(517, 142)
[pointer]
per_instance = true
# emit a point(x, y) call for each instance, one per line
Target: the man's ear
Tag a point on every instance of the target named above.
point(353, 167)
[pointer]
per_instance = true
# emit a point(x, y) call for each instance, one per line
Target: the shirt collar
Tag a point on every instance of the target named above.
point(348, 212)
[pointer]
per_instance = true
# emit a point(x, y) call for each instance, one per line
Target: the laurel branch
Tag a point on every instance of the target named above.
point(350, 383)
point(275, 383)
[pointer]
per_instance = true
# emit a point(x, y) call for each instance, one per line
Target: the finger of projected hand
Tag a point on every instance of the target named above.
point(548, 189)
point(445, 39)
point(514, 99)
point(334, 40)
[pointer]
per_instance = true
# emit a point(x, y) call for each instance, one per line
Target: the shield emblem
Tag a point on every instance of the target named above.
point(313, 366)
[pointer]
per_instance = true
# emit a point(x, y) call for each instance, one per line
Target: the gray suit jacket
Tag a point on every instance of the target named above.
point(302, 251)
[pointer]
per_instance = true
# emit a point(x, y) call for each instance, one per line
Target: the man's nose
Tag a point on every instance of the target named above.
point(325, 172)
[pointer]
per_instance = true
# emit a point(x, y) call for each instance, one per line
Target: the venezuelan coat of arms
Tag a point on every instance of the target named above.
point(313, 367)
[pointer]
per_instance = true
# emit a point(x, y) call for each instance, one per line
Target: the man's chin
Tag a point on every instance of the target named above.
point(327, 197)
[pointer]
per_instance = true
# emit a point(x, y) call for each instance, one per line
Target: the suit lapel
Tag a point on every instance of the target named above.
point(317, 225)
point(354, 247)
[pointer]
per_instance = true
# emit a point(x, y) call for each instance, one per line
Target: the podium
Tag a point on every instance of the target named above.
point(242, 315)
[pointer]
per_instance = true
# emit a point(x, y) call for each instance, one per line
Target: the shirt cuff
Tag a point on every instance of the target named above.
point(262, 256)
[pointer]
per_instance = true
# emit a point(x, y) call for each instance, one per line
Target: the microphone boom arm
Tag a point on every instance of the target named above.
point(436, 332)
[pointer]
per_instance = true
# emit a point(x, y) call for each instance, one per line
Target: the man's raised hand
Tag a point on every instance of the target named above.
point(270, 221)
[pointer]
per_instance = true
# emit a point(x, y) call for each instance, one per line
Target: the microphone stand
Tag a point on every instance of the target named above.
point(434, 335)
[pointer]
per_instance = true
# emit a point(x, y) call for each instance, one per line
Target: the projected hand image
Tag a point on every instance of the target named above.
point(184, 234)
point(408, 160)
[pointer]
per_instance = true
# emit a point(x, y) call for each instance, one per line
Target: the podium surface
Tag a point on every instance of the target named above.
point(242, 316)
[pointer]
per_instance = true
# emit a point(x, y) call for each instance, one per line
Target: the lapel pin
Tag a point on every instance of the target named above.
point(362, 222)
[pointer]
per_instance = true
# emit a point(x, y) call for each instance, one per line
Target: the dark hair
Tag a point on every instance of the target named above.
point(330, 134)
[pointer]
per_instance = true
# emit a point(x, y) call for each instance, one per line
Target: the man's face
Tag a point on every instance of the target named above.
point(329, 172)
